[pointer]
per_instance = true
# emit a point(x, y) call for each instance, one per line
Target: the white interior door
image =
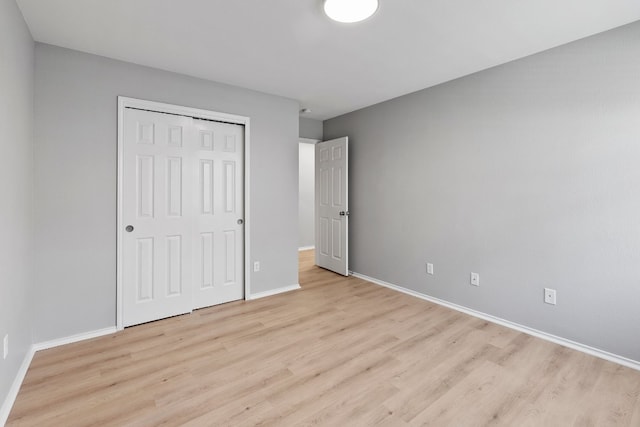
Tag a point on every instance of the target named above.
point(332, 205)
point(182, 209)
point(219, 269)
point(156, 244)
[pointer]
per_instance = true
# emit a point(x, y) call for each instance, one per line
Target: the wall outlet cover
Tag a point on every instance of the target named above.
point(550, 296)
point(475, 279)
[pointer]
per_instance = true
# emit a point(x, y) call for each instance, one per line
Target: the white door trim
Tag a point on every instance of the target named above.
point(124, 102)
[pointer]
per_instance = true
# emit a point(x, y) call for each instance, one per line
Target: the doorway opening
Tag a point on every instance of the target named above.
point(324, 202)
point(306, 196)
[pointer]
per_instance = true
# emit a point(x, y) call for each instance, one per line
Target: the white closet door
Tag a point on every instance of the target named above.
point(157, 216)
point(219, 254)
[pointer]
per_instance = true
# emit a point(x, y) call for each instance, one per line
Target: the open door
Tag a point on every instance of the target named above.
point(332, 205)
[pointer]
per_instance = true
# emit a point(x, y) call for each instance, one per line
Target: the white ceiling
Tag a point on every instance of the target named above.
point(289, 48)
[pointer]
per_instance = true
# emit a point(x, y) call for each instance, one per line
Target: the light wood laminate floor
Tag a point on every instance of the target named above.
point(339, 352)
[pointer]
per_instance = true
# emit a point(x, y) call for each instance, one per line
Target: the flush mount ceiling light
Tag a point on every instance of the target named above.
point(349, 11)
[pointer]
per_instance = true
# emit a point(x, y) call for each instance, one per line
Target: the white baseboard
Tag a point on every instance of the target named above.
point(15, 386)
point(306, 248)
point(22, 372)
point(74, 338)
point(630, 363)
point(274, 292)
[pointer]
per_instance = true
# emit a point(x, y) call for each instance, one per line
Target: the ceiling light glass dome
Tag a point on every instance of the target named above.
point(349, 11)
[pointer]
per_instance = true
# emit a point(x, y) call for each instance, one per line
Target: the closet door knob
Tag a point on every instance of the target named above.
point(129, 228)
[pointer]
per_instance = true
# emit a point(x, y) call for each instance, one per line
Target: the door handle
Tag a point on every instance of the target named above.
point(129, 228)
point(240, 221)
point(344, 213)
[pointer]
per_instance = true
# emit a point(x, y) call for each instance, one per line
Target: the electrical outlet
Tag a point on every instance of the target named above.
point(550, 296)
point(429, 268)
point(256, 266)
point(475, 279)
point(5, 345)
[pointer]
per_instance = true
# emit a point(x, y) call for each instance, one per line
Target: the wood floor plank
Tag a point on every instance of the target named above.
point(339, 352)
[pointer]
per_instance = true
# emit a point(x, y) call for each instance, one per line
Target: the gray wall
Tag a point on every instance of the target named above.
point(310, 128)
point(527, 174)
point(306, 197)
point(16, 190)
point(75, 136)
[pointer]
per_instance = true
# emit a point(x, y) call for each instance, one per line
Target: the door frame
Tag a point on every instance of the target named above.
point(123, 103)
